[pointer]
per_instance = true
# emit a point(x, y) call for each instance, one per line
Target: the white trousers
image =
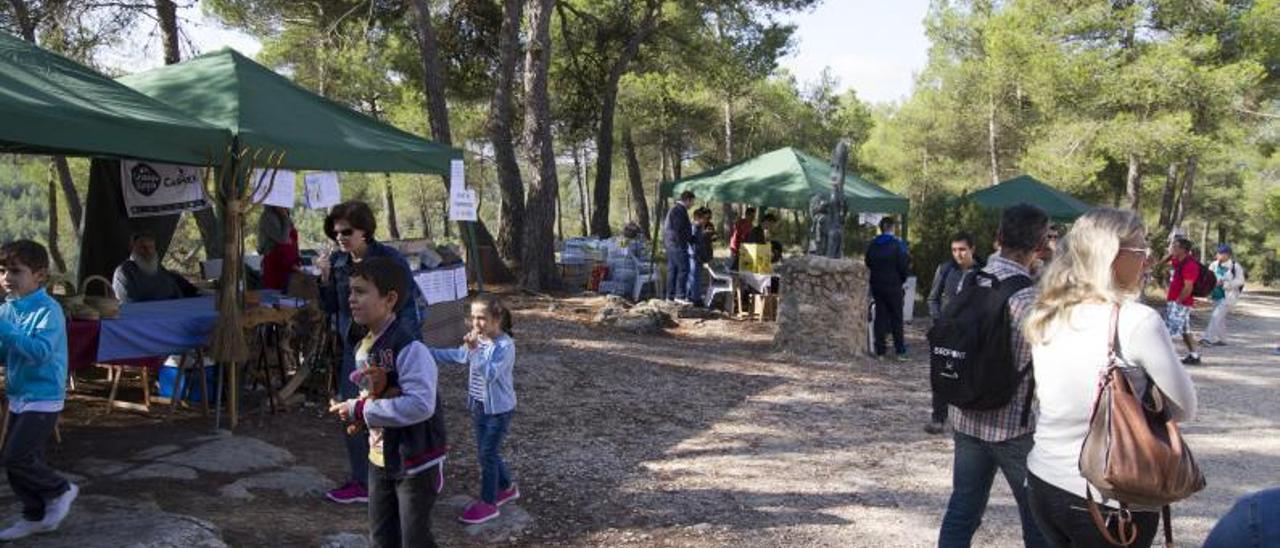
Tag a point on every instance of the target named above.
point(1217, 330)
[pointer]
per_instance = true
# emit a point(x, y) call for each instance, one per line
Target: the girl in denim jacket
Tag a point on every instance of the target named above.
point(490, 353)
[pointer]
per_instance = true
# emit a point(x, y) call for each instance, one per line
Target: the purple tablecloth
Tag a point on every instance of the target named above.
point(157, 328)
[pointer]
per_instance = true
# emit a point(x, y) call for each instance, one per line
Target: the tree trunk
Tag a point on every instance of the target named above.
point(1188, 181)
point(1166, 198)
point(609, 103)
point(501, 120)
point(1133, 183)
point(538, 260)
point(728, 214)
point(578, 168)
point(639, 202)
point(167, 16)
point(432, 74)
point(389, 202)
point(991, 140)
point(55, 253)
point(74, 210)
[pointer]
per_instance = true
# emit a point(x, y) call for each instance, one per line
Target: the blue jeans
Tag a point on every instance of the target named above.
point(490, 430)
point(693, 286)
point(1251, 523)
point(976, 462)
point(358, 445)
point(677, 273)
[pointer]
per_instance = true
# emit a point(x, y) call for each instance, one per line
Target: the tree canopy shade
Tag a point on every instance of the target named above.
point(265, 110)
point(785, 178)
point(1027, 189)
point(52, 105)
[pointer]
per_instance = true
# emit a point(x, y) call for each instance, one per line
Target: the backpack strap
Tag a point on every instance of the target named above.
point(1031, 394)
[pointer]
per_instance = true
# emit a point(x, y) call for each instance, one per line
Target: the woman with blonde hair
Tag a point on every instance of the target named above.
point(1093, 281)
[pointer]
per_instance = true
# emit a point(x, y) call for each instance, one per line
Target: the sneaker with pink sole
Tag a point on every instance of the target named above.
point(351, 493)
point(479, 512)
point(507, 495)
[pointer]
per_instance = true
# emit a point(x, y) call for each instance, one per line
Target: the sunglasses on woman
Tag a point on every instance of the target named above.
point(345, 232)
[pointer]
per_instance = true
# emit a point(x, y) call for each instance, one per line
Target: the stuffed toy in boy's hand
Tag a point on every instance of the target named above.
point(375, 384)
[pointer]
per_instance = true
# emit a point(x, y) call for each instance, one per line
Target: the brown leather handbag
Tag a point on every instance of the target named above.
point(1134, 453)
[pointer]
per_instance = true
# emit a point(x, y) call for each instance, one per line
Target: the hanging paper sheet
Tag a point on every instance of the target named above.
point(279, 194)
point(321, 189)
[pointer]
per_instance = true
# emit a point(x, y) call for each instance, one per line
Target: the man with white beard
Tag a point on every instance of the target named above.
point(141, 278)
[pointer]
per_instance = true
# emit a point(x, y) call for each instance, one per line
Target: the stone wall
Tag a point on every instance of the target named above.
point(824, 307)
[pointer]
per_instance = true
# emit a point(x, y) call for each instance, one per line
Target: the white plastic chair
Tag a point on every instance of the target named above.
point(721, 283)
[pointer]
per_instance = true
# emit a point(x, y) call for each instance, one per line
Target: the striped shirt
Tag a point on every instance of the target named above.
point(475, 387)
point(1005, 423)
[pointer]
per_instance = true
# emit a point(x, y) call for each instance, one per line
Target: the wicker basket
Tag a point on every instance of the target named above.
point(106, 305)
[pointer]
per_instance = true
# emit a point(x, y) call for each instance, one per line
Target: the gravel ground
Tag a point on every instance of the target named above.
point(704, 437)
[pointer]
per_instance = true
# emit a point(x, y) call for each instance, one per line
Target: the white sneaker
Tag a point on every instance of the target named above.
point(57, 509)
point(23, 529)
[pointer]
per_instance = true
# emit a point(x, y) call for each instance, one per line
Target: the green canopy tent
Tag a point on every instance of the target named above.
point(52, 105)
point(265, 110)
point(1027, 189)
point(785, 178)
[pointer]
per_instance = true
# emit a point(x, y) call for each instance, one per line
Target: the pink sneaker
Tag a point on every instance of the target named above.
point(508, 495)
point(350, 493)
point(479, 512)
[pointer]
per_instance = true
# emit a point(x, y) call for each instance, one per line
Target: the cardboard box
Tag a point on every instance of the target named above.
point(765, 307)
point(757, 258)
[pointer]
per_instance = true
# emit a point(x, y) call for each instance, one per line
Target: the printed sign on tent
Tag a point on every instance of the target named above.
point(321, 189)
point(280, 194)
point(457, 176)
point(152, 189)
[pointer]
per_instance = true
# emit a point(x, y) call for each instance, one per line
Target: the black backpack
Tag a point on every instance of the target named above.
point(1205, 282)
point(971, 357)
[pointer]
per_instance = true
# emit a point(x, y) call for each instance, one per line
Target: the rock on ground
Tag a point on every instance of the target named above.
point(345, 540)
point(231, 455)
point(160, 470)
point(299, 481)
point(97, 520)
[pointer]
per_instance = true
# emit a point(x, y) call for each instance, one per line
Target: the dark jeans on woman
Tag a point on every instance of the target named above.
point(400, 508)
point(32, 481)
point(1064, 518)
point(1254, 522)
point(357, 445)
point(490, 431)
point(888, 318)
point(976, 463)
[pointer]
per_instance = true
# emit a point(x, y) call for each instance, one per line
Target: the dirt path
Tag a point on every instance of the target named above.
point(704, 438)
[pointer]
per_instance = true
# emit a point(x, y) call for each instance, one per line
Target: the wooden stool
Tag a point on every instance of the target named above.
point(184, 374)
point(114, 372)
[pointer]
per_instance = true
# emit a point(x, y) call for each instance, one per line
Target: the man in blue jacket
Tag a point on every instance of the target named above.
point(676, 238)
point(886, 258)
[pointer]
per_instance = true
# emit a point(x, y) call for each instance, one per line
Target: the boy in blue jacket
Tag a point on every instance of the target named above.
point(33, 346)
point(399, 404)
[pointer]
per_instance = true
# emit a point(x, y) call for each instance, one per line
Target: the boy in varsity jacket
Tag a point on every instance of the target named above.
point(400, 406)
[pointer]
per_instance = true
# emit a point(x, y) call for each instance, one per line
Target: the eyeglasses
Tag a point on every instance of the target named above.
point(345, 232)
point(1144, 251)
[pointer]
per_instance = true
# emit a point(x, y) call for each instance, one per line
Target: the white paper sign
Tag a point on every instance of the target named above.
point(462, 205)
point(152, 189)
point(436, 286)
point(457, 176)
point(321, 189)
point(280, 194)
point(460, 282)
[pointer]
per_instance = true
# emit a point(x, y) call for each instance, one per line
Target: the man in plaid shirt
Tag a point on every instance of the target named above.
point(987, 440)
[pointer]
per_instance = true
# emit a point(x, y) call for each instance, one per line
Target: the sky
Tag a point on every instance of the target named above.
point(872, 46)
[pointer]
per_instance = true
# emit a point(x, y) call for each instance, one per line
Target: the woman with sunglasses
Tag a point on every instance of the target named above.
point(351, 225)
point(1092, 282)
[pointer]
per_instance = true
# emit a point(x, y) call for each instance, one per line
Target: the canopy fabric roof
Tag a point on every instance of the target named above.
point(1027, 189)
point(785, 178)
point(52, 105)
point(266, 110)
